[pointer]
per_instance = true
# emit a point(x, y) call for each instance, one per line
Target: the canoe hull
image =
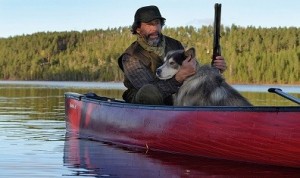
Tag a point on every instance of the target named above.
point(265, 135)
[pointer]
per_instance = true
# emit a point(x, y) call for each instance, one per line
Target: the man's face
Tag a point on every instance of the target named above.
point(151, 31)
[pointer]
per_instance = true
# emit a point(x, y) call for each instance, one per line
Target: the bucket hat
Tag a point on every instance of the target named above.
point(146, 14)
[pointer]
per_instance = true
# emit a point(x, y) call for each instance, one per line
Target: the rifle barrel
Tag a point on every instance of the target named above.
point(217, 26)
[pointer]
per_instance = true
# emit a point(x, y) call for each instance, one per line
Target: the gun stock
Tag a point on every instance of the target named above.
point(217, 26)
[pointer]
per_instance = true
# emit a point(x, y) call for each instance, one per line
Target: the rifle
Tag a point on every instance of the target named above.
point(217, 26)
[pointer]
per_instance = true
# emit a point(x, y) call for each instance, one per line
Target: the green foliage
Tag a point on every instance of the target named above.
point(253, 55)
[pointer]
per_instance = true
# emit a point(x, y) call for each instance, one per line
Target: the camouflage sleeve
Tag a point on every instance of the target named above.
point(139, 75)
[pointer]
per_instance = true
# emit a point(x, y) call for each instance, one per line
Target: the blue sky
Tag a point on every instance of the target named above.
point(18, 17)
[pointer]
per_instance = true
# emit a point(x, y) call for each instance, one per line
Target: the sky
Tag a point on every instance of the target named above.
point(22, 17)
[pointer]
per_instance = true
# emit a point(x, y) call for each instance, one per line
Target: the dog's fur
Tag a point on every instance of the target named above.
point(206, 88)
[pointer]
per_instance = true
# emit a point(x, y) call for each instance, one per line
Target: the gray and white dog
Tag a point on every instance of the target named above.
point(206, 88)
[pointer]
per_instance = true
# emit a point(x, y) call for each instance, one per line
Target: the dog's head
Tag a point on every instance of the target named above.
point(172, 63)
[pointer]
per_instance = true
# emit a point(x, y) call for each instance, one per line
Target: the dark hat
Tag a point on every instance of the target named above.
point(146, 14)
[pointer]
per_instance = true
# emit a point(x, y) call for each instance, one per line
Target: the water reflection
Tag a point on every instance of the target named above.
point(91, 158)
point(41, 102)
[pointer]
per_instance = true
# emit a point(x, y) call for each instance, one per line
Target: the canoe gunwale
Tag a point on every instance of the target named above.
point(119, 103)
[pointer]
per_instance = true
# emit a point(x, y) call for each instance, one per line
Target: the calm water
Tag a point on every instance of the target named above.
point(34, 142)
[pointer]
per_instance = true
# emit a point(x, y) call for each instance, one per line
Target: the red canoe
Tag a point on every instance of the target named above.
point(264, 135)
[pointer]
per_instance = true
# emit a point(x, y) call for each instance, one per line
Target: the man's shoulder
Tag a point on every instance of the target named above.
point(132, 48)
point(171, 39)
point(172, 43)
point(128, 54)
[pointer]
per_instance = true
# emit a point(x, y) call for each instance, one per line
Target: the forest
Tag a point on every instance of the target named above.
point(254, 55)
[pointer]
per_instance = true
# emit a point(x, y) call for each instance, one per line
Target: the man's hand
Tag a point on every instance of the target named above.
point(187, 69)
point(220, 63)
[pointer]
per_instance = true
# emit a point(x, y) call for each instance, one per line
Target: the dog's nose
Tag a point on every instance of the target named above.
point(158, 71)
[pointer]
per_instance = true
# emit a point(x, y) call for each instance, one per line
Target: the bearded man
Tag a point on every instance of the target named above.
point(141, 59)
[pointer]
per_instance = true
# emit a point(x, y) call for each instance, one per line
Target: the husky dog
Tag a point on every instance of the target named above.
point(205, 88)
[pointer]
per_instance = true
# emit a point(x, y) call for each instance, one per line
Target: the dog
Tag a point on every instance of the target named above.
point(206, 87)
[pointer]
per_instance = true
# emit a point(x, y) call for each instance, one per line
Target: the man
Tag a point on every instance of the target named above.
point(141, 59)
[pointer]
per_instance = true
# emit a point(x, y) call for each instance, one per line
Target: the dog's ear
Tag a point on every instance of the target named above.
point(190, 52)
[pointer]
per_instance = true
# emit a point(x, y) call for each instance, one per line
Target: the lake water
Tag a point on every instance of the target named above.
point(34, 142)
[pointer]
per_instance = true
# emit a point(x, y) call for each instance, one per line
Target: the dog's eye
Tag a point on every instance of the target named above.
point(172, 63)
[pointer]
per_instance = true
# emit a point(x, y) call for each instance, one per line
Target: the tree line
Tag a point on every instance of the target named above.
point(254, 55)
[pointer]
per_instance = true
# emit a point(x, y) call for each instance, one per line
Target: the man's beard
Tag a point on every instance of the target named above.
point(153, 41)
